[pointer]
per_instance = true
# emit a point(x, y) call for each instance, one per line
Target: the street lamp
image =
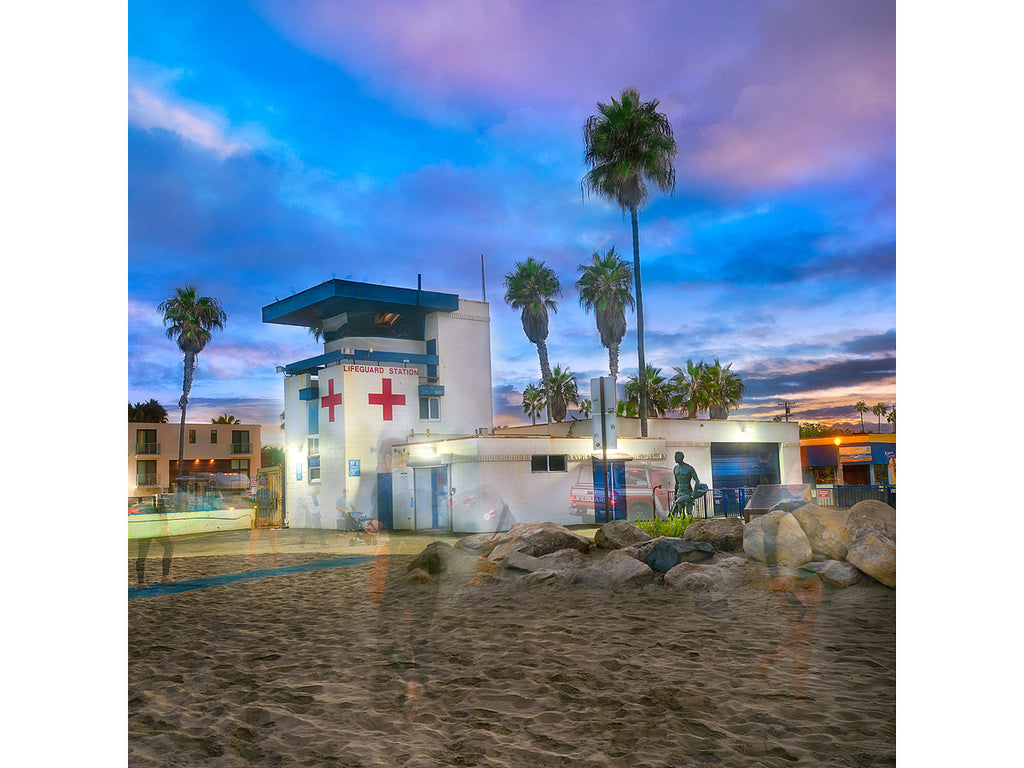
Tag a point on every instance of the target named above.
point(837, 441)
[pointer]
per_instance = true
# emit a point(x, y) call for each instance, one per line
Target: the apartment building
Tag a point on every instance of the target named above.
point(227, 450)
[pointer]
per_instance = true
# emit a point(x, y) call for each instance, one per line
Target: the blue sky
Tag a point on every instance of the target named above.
point(274, 145)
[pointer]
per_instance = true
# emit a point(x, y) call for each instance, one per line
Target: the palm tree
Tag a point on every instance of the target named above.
point(659, 393)
point(562, 390)
point(725, 389)
point(627, 142)
point(586, 407)
point(861, 407)
point(690, 389)
point(225, 419)
point(534, 402)
point(192, 320)
point(150, 412)
point(532, 288)
point(891, 418)
point(879, 409)
point(604, 287)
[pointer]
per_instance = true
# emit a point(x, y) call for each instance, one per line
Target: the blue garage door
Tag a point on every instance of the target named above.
point(744, 465)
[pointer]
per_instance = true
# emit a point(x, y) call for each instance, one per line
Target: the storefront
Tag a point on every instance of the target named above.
point(849, 460)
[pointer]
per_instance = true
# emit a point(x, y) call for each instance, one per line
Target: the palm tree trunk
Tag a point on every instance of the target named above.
point(642, 373)
point(545, 374)
point(186, 387)
point(613, 360)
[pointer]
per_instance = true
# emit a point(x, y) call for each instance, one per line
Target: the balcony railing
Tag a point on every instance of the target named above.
point(142, 449)
point(241, 447)
point(147, 480)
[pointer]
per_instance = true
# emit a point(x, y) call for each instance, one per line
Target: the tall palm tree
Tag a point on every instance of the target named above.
point(725, 389)
point(861, 407)
point(659, 393)
point(532, 287)
point(891, 418)
point(534, 402)
point(690, 389)
point(604, 287)
point(562, 391)
point(628, 142)
point(879, 409)
point(192, 320)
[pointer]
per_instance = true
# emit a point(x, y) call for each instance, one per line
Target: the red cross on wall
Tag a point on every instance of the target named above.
point(330, 399)
point(386, 399)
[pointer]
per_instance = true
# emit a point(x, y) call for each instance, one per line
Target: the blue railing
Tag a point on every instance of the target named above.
point(730, 502)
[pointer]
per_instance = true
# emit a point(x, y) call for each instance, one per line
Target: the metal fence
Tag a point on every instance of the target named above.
point(730, 502)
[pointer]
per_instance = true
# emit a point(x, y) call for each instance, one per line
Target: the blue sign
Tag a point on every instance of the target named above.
point(298, 470)
point(353, 468)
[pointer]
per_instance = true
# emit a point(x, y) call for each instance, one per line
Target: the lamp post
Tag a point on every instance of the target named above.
point(839, 467)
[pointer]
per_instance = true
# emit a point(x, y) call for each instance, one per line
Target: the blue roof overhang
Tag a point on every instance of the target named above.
point(309, 308)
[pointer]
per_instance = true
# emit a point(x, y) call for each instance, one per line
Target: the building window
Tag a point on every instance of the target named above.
point(145, 472)
point(314, 469)
point(145, 441)
point(240, 441)
point(430, 408)
point(548, 463)
point(213, 437)
point(313, 417)
point(192, 436)
point(241, 466)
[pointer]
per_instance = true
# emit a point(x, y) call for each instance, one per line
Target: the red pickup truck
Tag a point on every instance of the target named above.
point(647, 488)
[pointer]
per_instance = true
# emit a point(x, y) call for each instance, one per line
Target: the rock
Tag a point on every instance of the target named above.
point(668, 552)
point(694, 577)
point(537, 539)
point(480, 544)
point(776, 538)
point(836, 573)
point(870, 513)
point(434, 559)
point(420, 576)
point(617, 568)
point(619, 534)
point(875, 554)
point(824, 529)
point(725, 534)
point(556, 561)
point(543, 576)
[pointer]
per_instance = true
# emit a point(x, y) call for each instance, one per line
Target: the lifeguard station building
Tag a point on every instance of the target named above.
point(396, 416)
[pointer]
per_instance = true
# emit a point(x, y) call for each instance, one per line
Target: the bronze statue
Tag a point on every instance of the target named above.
point(685, 492)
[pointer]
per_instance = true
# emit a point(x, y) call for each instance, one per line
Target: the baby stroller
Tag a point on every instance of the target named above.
point(359, 529)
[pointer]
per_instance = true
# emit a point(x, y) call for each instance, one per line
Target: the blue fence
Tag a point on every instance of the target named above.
point(730, 502)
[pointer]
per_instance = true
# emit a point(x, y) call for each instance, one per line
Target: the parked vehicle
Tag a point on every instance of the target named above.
point(647, 490)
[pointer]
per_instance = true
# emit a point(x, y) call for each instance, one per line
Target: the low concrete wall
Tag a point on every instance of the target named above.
point(177, 523)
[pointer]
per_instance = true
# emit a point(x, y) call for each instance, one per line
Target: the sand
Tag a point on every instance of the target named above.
point(305, 669)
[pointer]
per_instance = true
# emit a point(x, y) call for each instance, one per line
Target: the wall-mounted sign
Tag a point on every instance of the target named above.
point(353, 468)
point(852, 453)
point(298, 470)
point(824, 493)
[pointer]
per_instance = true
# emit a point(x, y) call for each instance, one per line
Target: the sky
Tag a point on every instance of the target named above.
point(274, 145)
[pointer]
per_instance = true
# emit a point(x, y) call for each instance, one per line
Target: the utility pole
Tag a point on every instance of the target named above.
point(786, 404)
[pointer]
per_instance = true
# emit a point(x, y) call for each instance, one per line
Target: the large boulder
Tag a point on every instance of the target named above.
point(870, 513)
point(836, 573)
point(619, 534)
point(615, 569)
point(776, 538)
point(725, 534)
point(825, 530)
point(875, 554)
point(555, 561)
point(694, 577)
point(668, 552)
point(537, 539)
point(434, 559)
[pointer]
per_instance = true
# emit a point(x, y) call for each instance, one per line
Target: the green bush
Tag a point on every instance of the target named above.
point(673, 526)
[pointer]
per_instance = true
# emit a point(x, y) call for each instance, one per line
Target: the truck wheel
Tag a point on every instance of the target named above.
point(639, 512)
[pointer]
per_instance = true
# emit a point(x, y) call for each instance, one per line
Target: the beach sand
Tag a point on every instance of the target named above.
point(305, 669)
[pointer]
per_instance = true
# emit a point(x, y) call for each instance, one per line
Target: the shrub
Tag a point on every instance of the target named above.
point(673, 526)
